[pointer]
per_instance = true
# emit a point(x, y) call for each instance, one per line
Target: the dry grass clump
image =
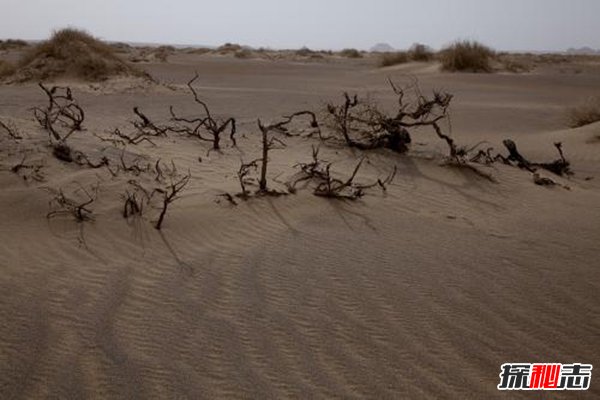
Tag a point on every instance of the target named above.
point(586, 113)
point(351, 53)
point(229, 48)
point(6, 69)
point(467, 56)
point(162, 53)
point(75, 53)
point(243, 54)
point(515, 63)
point(389, 59)
point(121, 47)
point(305, 52)
point(11, 44)
point(197, 50)
point(420, 52)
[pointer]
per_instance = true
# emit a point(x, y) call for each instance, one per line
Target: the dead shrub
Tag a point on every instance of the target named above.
point(467, 56)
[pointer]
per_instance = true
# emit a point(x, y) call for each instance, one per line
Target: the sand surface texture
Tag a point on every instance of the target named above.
point(419, 292)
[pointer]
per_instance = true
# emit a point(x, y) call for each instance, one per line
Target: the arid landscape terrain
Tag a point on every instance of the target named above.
point(418, 278)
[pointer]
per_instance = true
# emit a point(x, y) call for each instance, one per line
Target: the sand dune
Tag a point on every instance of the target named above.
point(419, 292)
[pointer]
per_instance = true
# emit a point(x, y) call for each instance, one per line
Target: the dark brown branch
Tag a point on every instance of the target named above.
point(61, 110)
point(78, 209)
point(206, 123)
point(12, 131)
point(365, 127)
point(170, 194)
point(35, 170)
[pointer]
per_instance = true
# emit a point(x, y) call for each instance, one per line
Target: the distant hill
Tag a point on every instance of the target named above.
point(583, 50)
point(382, 48)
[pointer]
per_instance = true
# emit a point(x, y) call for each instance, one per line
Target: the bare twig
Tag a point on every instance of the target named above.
point(170, 194)
point(78, 209)
point(11, 129)
point(61, 112)
point(196, 127)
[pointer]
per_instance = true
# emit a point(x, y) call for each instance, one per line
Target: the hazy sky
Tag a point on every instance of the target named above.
point(502, 24)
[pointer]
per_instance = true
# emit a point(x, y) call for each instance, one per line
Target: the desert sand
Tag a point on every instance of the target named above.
point(421, 291)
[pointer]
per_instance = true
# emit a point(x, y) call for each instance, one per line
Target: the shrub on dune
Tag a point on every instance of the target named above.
point(467, 56)
point(73, 53)
point(350, 53)
point(389, 59)
point(420, 52)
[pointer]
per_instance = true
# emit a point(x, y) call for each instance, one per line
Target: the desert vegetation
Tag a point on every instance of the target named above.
point(11, 44)
point(6, 69)
point(351, 53)
point(73, 53)
point(585, 113)
point(356, 123)
point(205, 124)
point(466, 56)
point(395, 58)
point(229, 48)
point(420, 52)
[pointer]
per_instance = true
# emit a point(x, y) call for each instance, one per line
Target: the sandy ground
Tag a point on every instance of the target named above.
point(419, 292)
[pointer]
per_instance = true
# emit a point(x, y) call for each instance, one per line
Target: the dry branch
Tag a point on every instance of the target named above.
point(62, 116)
point(268, 143)
point(146, 127)
point(559, 167)
point(66, 205)
point(319, 171)
point(170, 194)
point(205, 124)
point(365, 126)
point(133, 205)
point(282, 126)
point(11, 129)
point(242, 174)
point(35, 170)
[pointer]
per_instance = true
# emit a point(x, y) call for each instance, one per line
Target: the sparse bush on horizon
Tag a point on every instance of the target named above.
point(389, 59)
point(229, 48)
point(351, 53)
point(10, 44)
point(586, 113)
point(420, 52)
point(197, 50)
point(76, 53)
point(162, 53)
point(243, 53)
point(305, 52)
point(466, 56)
point(515, 63)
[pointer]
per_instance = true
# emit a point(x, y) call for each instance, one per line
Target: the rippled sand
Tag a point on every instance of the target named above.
point(420, 292)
